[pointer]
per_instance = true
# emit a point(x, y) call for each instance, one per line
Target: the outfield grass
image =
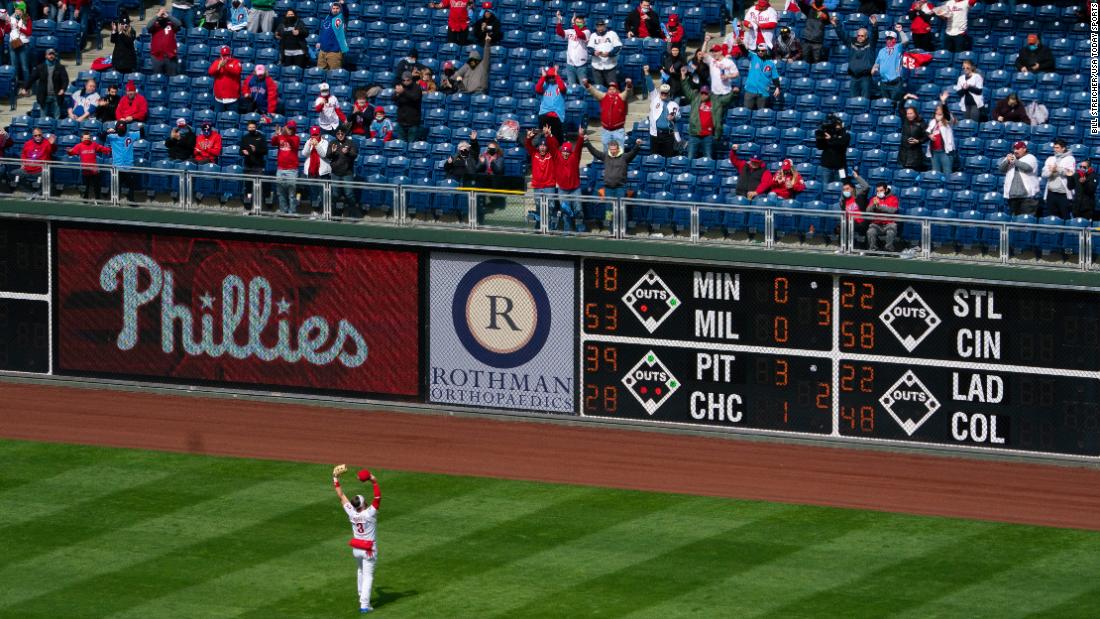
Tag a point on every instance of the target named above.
point(122, 533)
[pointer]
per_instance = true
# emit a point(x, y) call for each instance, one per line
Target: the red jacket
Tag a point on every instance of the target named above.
point(779, 186)
point(612, 112)
point(162, 41)
point(272, 92)
point(458, 18)
point(567, 172)
point(87, 153)
point(287, 146)
point(138, 108)
point(208, 147)
point(889, 202)
point(542, 166)
point(227, 79)
point(43, 151)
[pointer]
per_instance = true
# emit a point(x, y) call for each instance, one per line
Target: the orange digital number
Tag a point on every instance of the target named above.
point(824, 312)
point(591, 393)
point(606, 278)
point(867, 378)
point(611, 358)
point(781, 329)
point(866, 337)
point(782, 373)
point(867, 296)
point(591, 358)
point(823, 392)
point(864, 417)
point(786, 410)
point(781, 290)
point(847, 377)
point(592, 318)
point(848, 295)
point(610, 399)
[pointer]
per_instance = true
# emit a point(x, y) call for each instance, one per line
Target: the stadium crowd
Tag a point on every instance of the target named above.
point(295, 88)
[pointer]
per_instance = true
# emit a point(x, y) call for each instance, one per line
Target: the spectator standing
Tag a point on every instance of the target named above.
point(671, 63)
point(722, 70)
point(1021, 186)
point(19, 42)
point(133, 108)
point(181, 142)
point(543, 182)
point(1058, 171)
point(552, 106)
point(213, 15)
point(758, 28)
point(362, 113)
point(123, 55)
point(888, 65)
point(955, 13)
point(260, 92)
point(1084, 190)
point(787, 47)
point(237, 16)
point(410, 63)
point(854, 192)
point(49, 80)
point(342, 153)
point(576, 49)
point(5, 37)
point(333, 43)
point(315, 165)
point(605, 45)
point(941, 140)
point(488, 25)
point(663, 113)
point(787, 182)
point(567, 176)
point(613, 106)
point(861, 56)
point(922, 15)
point(458, 20)
point(884, 204)
point(261, 18)
point(674, 31)
point(473, 77)
point(163, 46)
point(643, 22)
point(914, 135)
point(1011, 110)
point(615, 166)
point(462, 165)
point(208, 145)
point(286, 142)
point(491, 162)
point(763, 79)
point(409, 98)
point(35, 150)
point(293, 48)
point(969, 87)
point(226, 71)
point(1035, 57)
point(753, 176)
point(254, 155)
point(88, 150)
point(705, 121)
point(813, 32)
point(121, 143)
point(832, 139)
point(327, 106)
point(184, 12)
point(84, 102)
point(381, 127)
point(107, 107)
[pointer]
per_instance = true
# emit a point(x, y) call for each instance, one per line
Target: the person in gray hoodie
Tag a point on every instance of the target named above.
point(615, 164)
point(473, 77)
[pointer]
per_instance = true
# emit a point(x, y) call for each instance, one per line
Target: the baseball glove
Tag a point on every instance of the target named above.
point(339, 470)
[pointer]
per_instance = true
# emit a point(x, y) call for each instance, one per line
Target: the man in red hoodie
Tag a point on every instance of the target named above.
point(543, 181)
point(163, 46)
point(133, 108)
point(787, 182)
point(88, 150)
point(613, 104)
point(567, 174)
point(286, 143)
point(458, 19)
point(885, 203)
point(226, 72)
point(36, 150)
point(208, 144)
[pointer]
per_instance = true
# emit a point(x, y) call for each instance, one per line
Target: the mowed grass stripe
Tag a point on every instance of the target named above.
point(515, 529)
point(938, 572)
point(635, 535)
point(673, 572)
point(1082, 605)
point(1063, 575)
point(876, 541)
point(49, 495)
point(144, 540)
point(327, 567)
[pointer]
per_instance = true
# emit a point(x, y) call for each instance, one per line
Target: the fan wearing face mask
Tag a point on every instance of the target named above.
point(883, 204)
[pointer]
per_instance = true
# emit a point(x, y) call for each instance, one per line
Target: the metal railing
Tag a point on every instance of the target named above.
point(787, 226)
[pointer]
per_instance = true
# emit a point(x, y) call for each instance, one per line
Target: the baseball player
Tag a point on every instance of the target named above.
point(363, 517)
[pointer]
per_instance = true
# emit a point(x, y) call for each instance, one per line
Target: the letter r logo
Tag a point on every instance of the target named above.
point(500, 307)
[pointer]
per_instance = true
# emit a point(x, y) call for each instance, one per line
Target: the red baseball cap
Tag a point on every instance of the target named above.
point(290, 124)
point(225, 50)
point(379, 110)
point(1020, 144)
point(315, 130)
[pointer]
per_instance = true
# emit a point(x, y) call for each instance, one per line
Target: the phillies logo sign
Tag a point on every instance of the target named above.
point(247, 312)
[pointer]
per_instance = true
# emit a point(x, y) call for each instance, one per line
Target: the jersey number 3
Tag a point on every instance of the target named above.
point(359, 527)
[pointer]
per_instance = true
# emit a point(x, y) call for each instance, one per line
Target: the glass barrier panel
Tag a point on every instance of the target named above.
point(150, 187)
point(658, 219)
point(437, 206)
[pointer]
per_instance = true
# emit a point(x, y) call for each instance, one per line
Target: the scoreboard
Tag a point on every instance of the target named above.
point(915, 360)
point(24, 296)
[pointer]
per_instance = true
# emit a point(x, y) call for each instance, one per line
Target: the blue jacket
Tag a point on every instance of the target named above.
point(553, 99)
point(332, 37)
point(763, 75)
point(889, 63)
point(122, 149)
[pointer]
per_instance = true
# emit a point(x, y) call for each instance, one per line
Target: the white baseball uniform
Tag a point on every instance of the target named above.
point(363, 524)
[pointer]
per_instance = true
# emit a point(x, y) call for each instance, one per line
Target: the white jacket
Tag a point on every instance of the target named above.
point(946, 132)
point(1054, 170)
point(722, 74)
point(576, 50)
point(975, 80)
point(327, 118)
point(755, 16)
point(655, 113)
point(322, 152)
point(1030, 179)
point(606, 42)
point(956, 13)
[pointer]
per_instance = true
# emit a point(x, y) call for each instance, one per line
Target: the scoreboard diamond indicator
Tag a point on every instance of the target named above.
point(909, 402)
point(651, 383)
point(910, 319)
point(651, 300)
